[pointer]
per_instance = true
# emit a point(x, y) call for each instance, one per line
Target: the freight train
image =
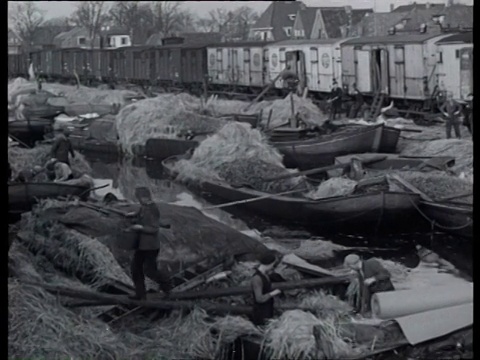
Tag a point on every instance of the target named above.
point(410, 69)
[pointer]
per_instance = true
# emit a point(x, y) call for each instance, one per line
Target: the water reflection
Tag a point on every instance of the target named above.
point(123, 177)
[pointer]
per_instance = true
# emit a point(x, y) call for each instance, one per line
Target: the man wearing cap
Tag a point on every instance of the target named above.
point(372, 278)
point(144, 260)
point(262, 290)
point(61, 147)
point(336, 100)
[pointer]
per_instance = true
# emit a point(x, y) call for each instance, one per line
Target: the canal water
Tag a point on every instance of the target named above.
point(327, 250)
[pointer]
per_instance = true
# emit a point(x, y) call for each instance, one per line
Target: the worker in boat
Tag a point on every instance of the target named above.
point(372, 278)
point(336, 100)
point(262, 289)
point(28, 175)
point(451, 110)
point(144, 260)
point(62, 147)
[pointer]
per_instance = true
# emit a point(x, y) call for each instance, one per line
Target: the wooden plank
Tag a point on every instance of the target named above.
point(410, 187)
point(304, 266)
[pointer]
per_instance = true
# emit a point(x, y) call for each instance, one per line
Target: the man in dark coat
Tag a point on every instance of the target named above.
point(336, 100)
point(451, 110)
point(144, 260)
point(61, 147)
point(372, 278)
point(357, 104)
point(262, 290)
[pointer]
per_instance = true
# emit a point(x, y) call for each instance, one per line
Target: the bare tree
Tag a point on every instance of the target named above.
point(25, 18)
point(221, 19)
point(166, 16)
point(187, 22)
point(244, 18)
point(91, 15)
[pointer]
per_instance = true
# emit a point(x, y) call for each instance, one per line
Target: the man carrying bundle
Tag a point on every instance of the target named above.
point(372, 278)
point(262, 290)
point(61, 147)
point(144, 260)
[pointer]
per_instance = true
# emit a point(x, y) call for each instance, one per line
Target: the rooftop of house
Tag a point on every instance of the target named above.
point(378, 23)
point(410, 7)
point(359, 14)
point(45, 35)
point(333, 18)
point(466, 37)
point(276, 16)
point(200, 38)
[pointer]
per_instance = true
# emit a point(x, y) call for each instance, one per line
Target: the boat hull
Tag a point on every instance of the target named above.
point(452, 218)
point(321, 151)
point(160, 149)
point(22, 196)
point(366, 213)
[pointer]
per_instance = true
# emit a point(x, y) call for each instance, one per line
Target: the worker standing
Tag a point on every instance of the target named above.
point(144, 260)
point(372, 278)
point(62, 147)
point(451, 110)
point(336, 100)
point(262, 290)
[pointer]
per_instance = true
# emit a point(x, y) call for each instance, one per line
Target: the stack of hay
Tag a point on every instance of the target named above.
point(237, 154)
point(21, 159)
point(333, 187)
point(165, 116)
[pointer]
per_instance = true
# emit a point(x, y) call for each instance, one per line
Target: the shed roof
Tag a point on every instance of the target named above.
point(397, 39)
point(466, 38)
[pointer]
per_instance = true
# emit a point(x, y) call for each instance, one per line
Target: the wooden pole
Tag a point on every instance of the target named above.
point(292, 110)
point(243, 290)
point(264, 91)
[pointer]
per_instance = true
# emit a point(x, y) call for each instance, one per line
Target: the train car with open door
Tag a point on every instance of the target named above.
point(317, 62)
point(401, 66)
point(455, 64)
point(238, 65)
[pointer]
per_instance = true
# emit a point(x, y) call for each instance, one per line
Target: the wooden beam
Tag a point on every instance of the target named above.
point(410, 187)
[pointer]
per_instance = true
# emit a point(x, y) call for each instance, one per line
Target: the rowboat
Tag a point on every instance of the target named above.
point(82, 143)
point(42, 111)
point(322, 150)
point(160, 149)
point(394, 162)
point(85, 108)
point(21, 196)
point(368, 212)
point(450, 217)
point(29, 131)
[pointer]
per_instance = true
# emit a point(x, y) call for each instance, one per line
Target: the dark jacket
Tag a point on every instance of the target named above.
point(60, 149)
point(373, 268)
point(451, 109)
point(337, 95)
point(149, 217)
point(262, 311)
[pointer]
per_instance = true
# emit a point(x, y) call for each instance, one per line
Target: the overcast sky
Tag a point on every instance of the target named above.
point(65, 8)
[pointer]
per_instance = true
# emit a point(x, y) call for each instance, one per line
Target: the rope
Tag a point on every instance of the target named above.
point(434, 223)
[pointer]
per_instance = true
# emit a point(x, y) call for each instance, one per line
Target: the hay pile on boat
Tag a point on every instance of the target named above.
point(318, 249)
point(71, 93)
point(238, 155)
point(461, 150)
point(165, 116)
point(437, 185)
point(22, 158)
point(338, 186)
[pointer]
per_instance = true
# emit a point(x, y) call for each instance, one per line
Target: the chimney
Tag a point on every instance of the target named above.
point(392, 7)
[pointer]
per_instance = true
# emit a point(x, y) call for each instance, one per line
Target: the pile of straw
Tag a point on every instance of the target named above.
point(324, 305)
point(239, 155)
point(71, 93)
point(291, 337)
point(437, 185)
point(333, 187)
point(318, 249)
point(165, 116)
point(22, 158)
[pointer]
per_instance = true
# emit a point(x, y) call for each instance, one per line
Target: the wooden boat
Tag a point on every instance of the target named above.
point(389, 140)
point(322, 150)
point(82, 109)
point(394, 162)
point(29, 131)
point(160, 149)
point(82, 143)
point(21, 196)
point(364, 213)
point(42, 111)
point(450, 217)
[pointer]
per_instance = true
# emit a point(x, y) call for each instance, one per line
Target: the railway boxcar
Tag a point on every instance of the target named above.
point(141, 64)
point(316, 62)
point(194, 66)
point(237, 64)
point(17, 65)
point(455, 64)
point(402, 66)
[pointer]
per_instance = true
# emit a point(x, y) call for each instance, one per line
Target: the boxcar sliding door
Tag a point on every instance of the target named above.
point(466, 72)
point(363, 71)
point(400, 85)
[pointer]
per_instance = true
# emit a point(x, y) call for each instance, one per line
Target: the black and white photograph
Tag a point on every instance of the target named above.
point(240, 180)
